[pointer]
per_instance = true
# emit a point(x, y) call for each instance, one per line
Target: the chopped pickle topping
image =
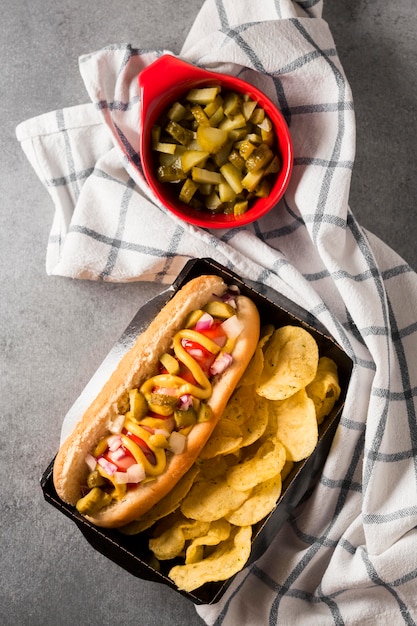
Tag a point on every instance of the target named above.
point(219, 139)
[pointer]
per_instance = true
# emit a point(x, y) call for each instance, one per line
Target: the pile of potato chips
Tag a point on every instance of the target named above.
point(271, 421)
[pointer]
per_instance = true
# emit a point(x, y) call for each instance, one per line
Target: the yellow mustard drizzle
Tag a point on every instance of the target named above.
point(119, 488)
point(100, 448)
point(203, 391)
point(179, 384)
point(136, 450)
point(194, 335)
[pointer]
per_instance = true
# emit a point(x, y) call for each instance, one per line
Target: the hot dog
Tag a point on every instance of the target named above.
point(147, 426)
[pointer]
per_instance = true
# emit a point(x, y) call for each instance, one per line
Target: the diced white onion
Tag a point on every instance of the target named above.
point(116, 425)
point(136, 473)
point(167, 391)
point(91, 462)
point(196, 352)
point(161, 431)
point(177, 442)
point(116, 455)
point(221, 364)
point(233, 326)
point(109, 468)
point(121, 478)
point(205, 322)
point(185, 402)
point(114, 442)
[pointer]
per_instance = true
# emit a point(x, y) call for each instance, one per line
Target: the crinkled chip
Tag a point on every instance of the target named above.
point(218, 531)
point(291, 359)
point(268, 461)
point(225, 438)
point(270, 422)
point(296, 425)
point(241, 405)
point(324, 390)
point(271, 427)
point(255, 426)
point(212, 468)
point(212, 499)
point(225, 561)
point(260, 503)
point(253, 370)
point(169, 538)
point(168, 504)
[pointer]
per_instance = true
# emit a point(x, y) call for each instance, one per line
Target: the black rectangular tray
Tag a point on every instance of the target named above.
point(131, 552)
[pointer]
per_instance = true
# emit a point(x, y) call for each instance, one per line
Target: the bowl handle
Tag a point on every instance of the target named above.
point(163, 74)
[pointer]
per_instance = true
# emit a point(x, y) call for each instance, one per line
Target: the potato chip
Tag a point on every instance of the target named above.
point(218, 531)
point(225, 561)
point(291, 359)
point(324, 390)
point(270, 422)
point(296, 425)
point(212, 468)
point(255, 426)
point(253, 370)
point(168, 504)
point(171, 542)
point(271, 427)
point(260, 503)
point(168, 545)
point(241, 405)
point(210, 500)
point(268, 461)
point(225, 438)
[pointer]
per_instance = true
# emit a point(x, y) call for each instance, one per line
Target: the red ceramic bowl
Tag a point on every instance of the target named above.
point(165, 81)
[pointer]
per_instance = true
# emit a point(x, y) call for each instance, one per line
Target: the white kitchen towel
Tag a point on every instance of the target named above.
point(348, 555)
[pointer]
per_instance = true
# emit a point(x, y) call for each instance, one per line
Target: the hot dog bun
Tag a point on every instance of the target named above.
point(140, 362)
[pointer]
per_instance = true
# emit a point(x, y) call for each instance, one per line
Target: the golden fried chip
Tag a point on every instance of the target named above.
point(210, 500)
point(253, 370)
point(271, 427)
point(169, 540)
point(296, 425)
point(212, 468)
point(225, 438)
point(168, 504)
point(268, 461)
point(255, 426)
point(260, 503)
point(241, 405)
point(324, 390)
point(226, 560)
point(291, 359)
point(218, 531)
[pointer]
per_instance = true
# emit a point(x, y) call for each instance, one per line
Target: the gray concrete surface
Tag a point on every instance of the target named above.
point(55, 332)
